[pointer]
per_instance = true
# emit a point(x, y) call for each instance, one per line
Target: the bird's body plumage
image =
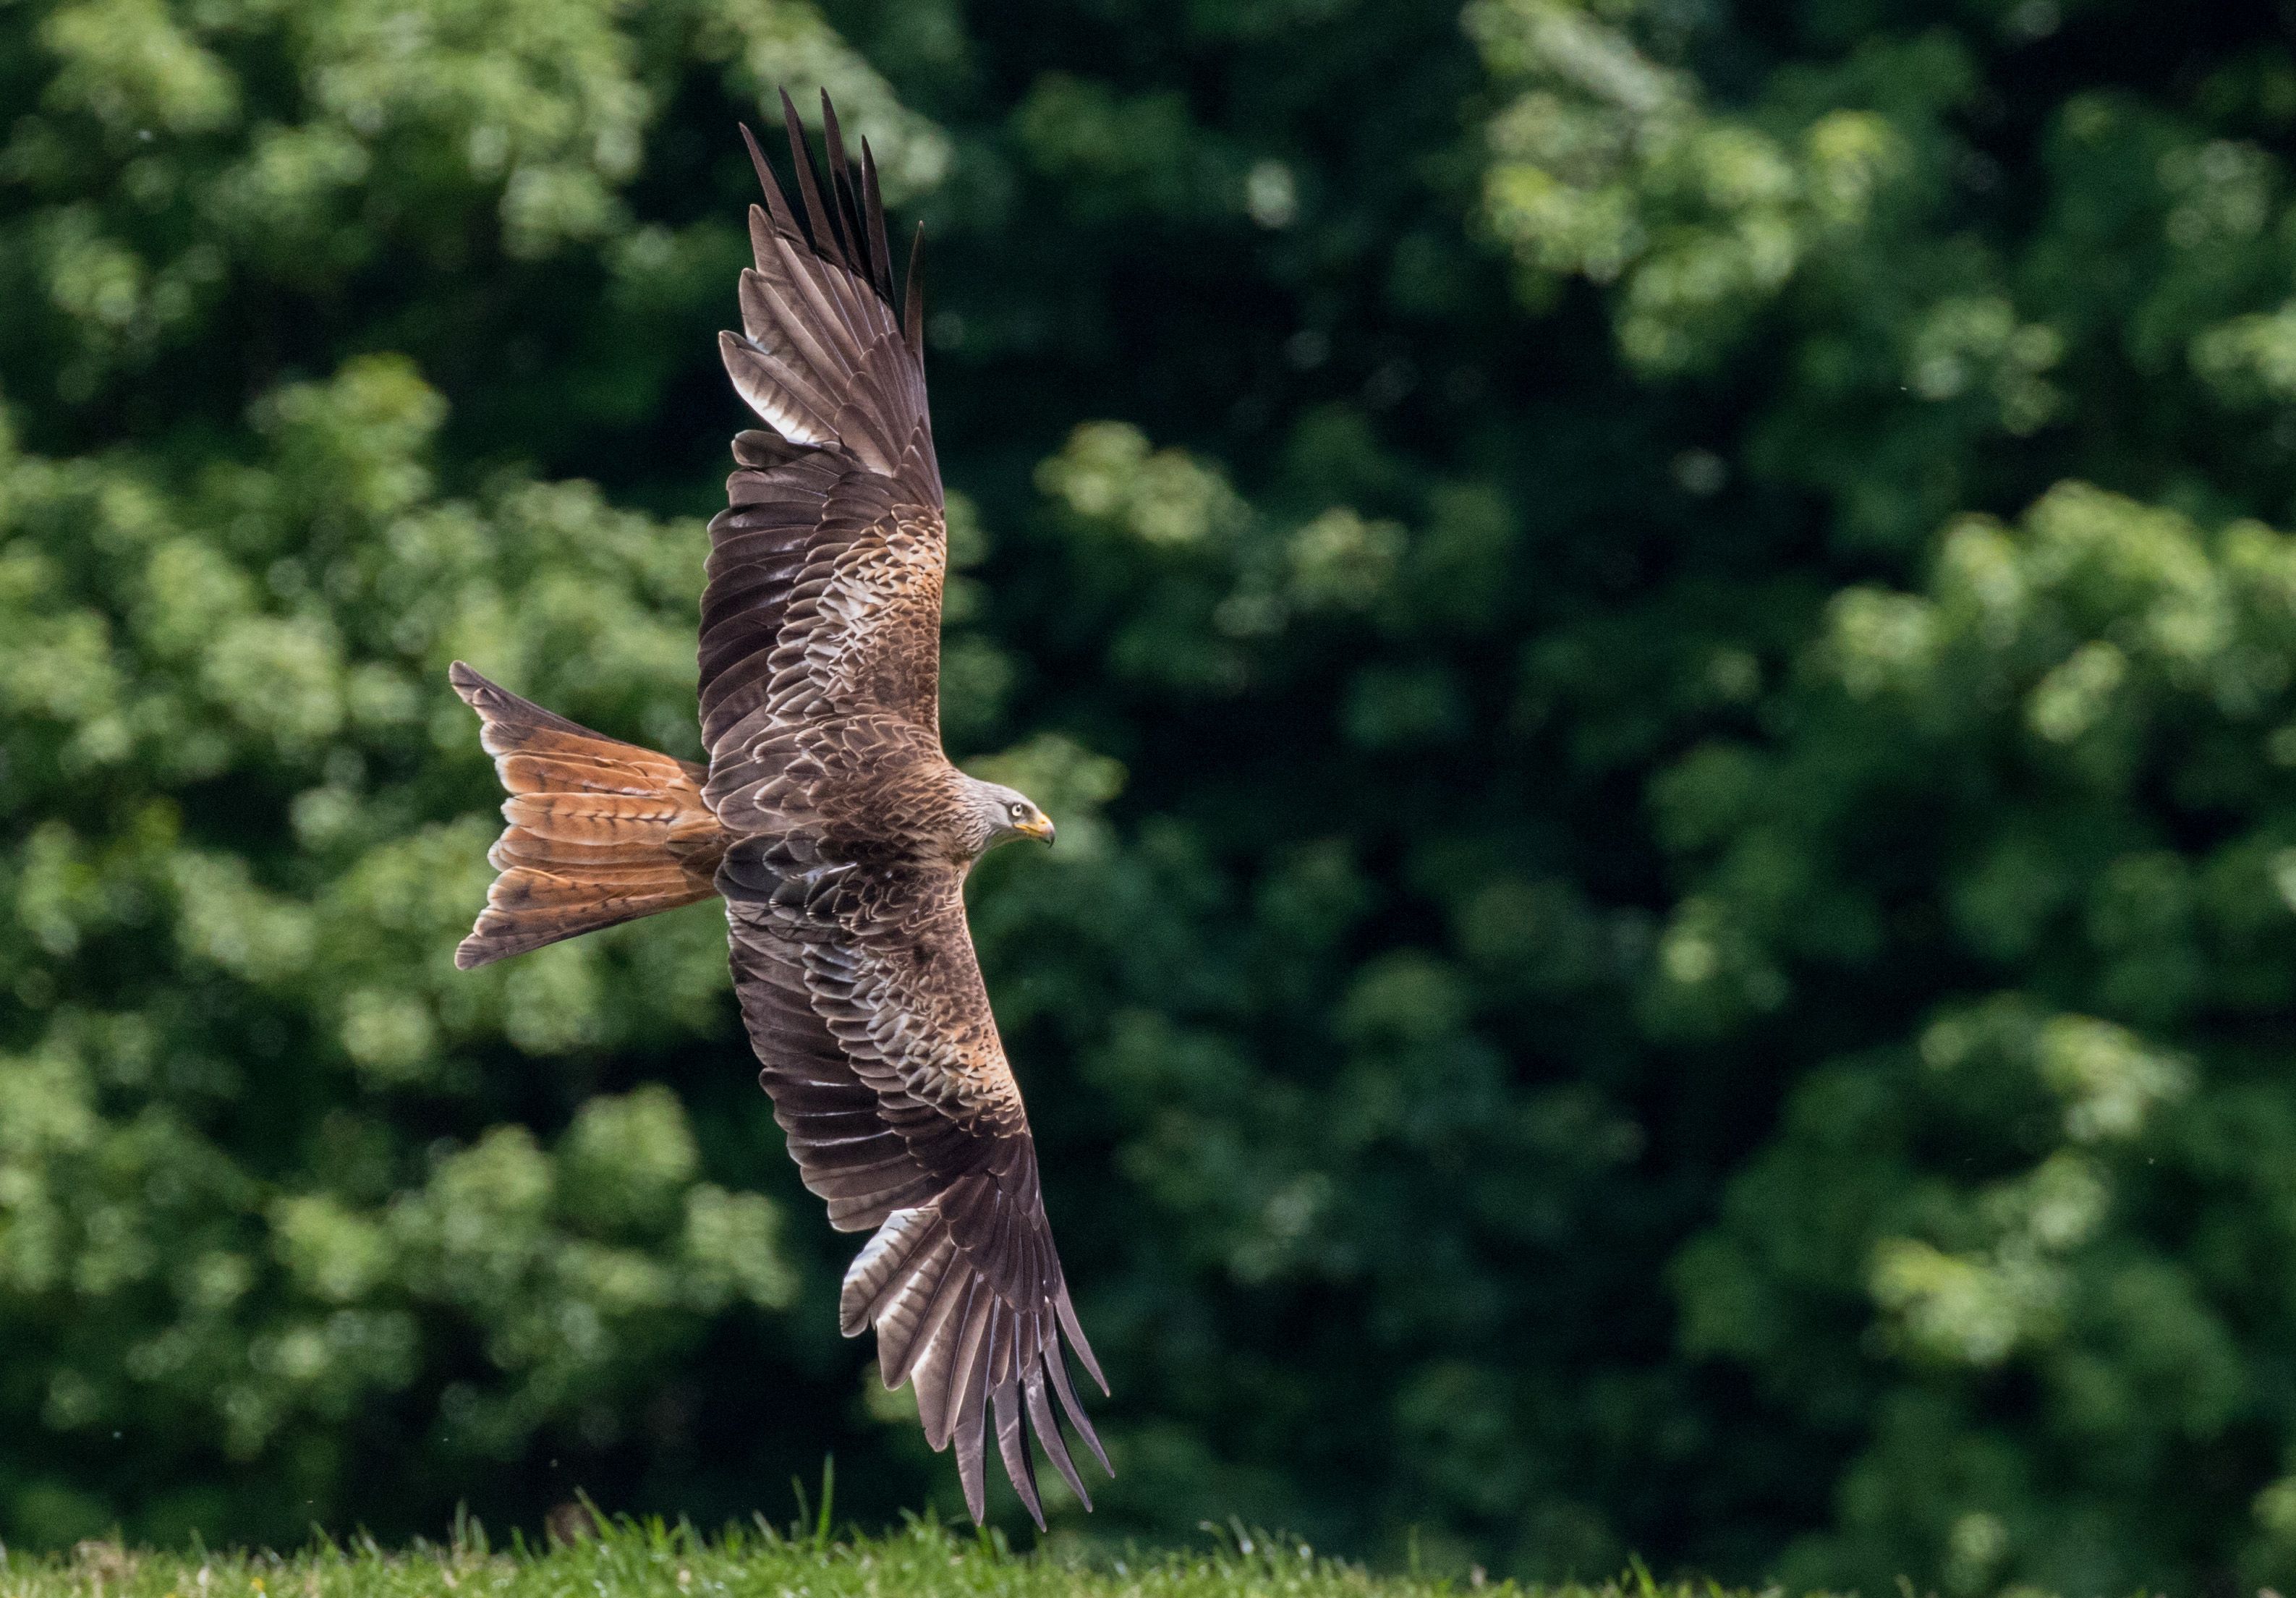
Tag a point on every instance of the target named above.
point(838, 833)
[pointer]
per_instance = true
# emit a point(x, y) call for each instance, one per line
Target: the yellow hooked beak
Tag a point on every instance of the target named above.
point(1040, 825)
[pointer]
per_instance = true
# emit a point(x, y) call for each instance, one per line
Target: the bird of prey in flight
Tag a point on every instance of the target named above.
point(835, 829)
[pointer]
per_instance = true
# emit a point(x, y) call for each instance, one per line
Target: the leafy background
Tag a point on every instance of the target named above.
point(1659, 632)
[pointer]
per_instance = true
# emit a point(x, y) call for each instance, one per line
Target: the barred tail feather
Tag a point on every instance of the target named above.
point(601, 832)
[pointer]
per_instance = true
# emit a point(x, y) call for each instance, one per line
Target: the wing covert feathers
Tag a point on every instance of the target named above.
point(827, 565)
point(820, 665)
point(866, 1005)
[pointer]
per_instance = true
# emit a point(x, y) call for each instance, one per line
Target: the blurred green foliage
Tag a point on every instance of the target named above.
point(1658, 631)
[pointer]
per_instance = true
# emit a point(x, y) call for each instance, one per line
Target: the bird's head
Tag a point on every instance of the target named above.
point(1000, 812)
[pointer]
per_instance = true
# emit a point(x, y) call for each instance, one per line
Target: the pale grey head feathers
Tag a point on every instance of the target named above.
point(1002, 813)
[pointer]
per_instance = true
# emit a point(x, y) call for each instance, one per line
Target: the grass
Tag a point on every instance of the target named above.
point(651, 1560)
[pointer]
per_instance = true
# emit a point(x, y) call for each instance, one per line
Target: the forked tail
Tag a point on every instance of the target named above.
point(601, 832)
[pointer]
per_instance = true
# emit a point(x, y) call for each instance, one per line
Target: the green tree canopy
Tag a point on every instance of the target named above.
point(1659, 635)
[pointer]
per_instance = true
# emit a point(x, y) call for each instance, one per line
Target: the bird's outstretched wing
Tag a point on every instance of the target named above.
point(862, 995)
point(820, 666)
point(825, 569)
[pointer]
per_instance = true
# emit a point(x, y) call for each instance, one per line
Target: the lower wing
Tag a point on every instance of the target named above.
point(863, 1000)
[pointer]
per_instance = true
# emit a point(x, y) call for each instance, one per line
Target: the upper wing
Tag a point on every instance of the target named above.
point(826, 569)
point(864, 999)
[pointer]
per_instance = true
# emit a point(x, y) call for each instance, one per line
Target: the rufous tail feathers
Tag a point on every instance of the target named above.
point(601, 832)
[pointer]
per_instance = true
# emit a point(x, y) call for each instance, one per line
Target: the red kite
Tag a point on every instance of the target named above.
point(837, 832)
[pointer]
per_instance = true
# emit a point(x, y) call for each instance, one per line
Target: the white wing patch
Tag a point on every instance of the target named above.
point(872, 1267)
point(776, 390)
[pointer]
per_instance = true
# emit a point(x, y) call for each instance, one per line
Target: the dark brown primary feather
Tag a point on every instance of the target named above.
point(820, 668)
point(838, 832)
point(831, 552)
point(901, 1111)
